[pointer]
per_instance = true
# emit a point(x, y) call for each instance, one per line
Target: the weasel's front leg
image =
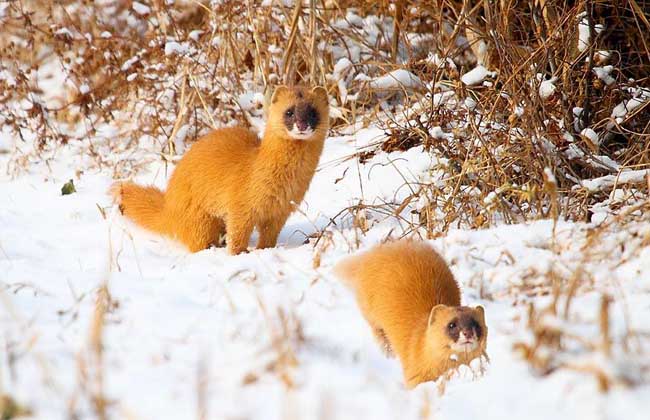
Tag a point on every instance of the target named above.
point(269, 231)
point(238, 232)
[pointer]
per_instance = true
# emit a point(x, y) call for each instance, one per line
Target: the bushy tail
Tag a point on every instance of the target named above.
point(143, 205)
point(347, 270)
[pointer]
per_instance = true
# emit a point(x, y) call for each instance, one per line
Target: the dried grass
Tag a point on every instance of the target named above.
point(502, 149)
point(162, 79)
point(559, 335)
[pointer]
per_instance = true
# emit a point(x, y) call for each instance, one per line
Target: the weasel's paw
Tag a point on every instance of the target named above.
point(383, 342)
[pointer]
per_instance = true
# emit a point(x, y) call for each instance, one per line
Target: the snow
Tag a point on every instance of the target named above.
point(547, 88)
point(577, 111)
point(441, 98)
point(436, 60)
point(182, 317)
point(397, 79)
point(591, 135)
point(195, 35)
point(549, 175)
point(173, 47)
point(341, 66)
point(340, 74)
point(475, 76)
point(490, 198)
point(362, 77)
point(9, 79)
point(623, 177)
point(249, 101)
point(629, 105)
point(269, 334)
point(470, 103)
point(64, 32)
point(518, 110)
point(140, 8)
point(603, 73)
point(584, 33)
point(438, 133)
point(128, 63)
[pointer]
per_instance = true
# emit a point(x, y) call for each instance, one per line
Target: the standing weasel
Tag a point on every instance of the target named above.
point(412, 303)
point(231, 181)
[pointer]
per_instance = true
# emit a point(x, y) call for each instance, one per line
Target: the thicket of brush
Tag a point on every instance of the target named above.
point(566, 100)
point(522, 146)
point(168, 72)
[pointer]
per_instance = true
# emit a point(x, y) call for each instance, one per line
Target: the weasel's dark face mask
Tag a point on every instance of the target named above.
point(465, 331)
point(301, 113)
point(301, 120)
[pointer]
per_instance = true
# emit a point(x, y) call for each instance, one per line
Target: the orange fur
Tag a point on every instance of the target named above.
point(230, 181)
point(408, 295)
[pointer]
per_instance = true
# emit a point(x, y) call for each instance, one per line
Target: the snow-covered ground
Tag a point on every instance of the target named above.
point(272, 334)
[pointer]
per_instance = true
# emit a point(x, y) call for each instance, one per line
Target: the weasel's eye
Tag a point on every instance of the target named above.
point(451, 325)
point(289, 113)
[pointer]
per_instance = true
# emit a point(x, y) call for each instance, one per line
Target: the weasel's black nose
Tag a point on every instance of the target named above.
point(468, 332)
point(470, 327)
point(306, 115)
point(302, 125)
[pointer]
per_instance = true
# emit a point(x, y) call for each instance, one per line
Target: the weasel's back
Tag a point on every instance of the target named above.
point(224, 145)
point(218, 162)
point(403, 279)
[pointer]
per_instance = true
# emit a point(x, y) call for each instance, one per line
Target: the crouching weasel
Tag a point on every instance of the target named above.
point(412, 302)
point(230, 181)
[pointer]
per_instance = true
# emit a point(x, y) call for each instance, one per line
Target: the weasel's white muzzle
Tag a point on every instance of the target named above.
point(464, 344)
point(301, 134)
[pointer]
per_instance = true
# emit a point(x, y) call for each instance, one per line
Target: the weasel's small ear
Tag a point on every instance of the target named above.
point(268, 93)
point(435, 311)
point(481, 312)
point(279, 91)
point(321, 94)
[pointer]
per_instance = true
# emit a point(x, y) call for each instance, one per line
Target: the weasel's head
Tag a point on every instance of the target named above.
point(299, 113)
point(459, 332)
